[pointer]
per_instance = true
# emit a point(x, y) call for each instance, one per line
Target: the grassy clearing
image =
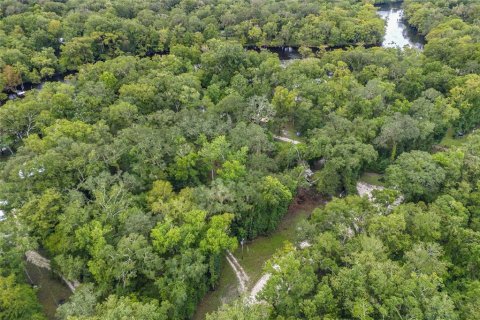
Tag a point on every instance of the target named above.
point(254, 256)
point(226, 291)
point(3, 161)
point(51, 291)
point(289, 131)
point(257, 252)
point(372, 178)
point(450, 140)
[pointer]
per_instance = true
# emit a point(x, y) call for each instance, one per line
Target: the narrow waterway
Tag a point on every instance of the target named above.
point(397, 32)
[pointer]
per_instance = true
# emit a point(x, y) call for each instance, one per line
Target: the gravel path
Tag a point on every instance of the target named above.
point(258, 287)
point(364, 188)
point(38, 260)
point(285, 139)
point(243, 279)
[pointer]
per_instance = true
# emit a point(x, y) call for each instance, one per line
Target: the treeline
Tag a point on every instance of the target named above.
point(18, 300)
point(387, 259)
point(427, 15)
point(357, 98)
point(40, 39)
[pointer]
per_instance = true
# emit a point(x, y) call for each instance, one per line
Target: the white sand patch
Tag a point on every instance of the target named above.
point(258, 287)
point(367, 189)
point(285, 139)
point(38, 260)
point(304, 244)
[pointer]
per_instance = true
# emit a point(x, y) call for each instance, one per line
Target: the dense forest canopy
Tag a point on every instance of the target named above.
point(138, 171)
point(42, 38)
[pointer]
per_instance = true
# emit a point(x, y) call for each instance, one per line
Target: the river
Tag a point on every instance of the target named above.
point(397, 32)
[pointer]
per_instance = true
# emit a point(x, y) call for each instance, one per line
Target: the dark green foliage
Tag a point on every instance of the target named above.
point(139, 171)
point(42, 39)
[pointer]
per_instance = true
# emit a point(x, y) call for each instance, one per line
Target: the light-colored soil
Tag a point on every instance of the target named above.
point(364, 188)
point(285, 139)
point(241, 275)
point(258, 287)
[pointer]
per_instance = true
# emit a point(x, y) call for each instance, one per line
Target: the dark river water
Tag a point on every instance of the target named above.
point(398, 33)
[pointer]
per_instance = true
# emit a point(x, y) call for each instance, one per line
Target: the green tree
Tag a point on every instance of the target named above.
point(399, 131)
point(77, 52)
point(290, 282)
point(18, 301)
point(416, 175)
point(80, 304)
point(239, 310)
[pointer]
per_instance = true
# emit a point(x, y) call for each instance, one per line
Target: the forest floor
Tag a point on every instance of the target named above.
point(255, 253)
point(288, 131)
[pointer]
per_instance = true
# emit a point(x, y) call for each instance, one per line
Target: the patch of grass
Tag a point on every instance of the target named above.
point(51, 290)
point(450, 140)
point(257, 252)
point(226, 291)
point(289, 131)
point(253, 258)
point(3, 162)
point(372, 178)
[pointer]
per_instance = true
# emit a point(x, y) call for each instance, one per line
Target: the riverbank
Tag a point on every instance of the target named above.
point(398, 33)
point(285, 52)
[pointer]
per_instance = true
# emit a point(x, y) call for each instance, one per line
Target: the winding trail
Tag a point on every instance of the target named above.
point(242, 276)
point(38, 260)
point(243, 280)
